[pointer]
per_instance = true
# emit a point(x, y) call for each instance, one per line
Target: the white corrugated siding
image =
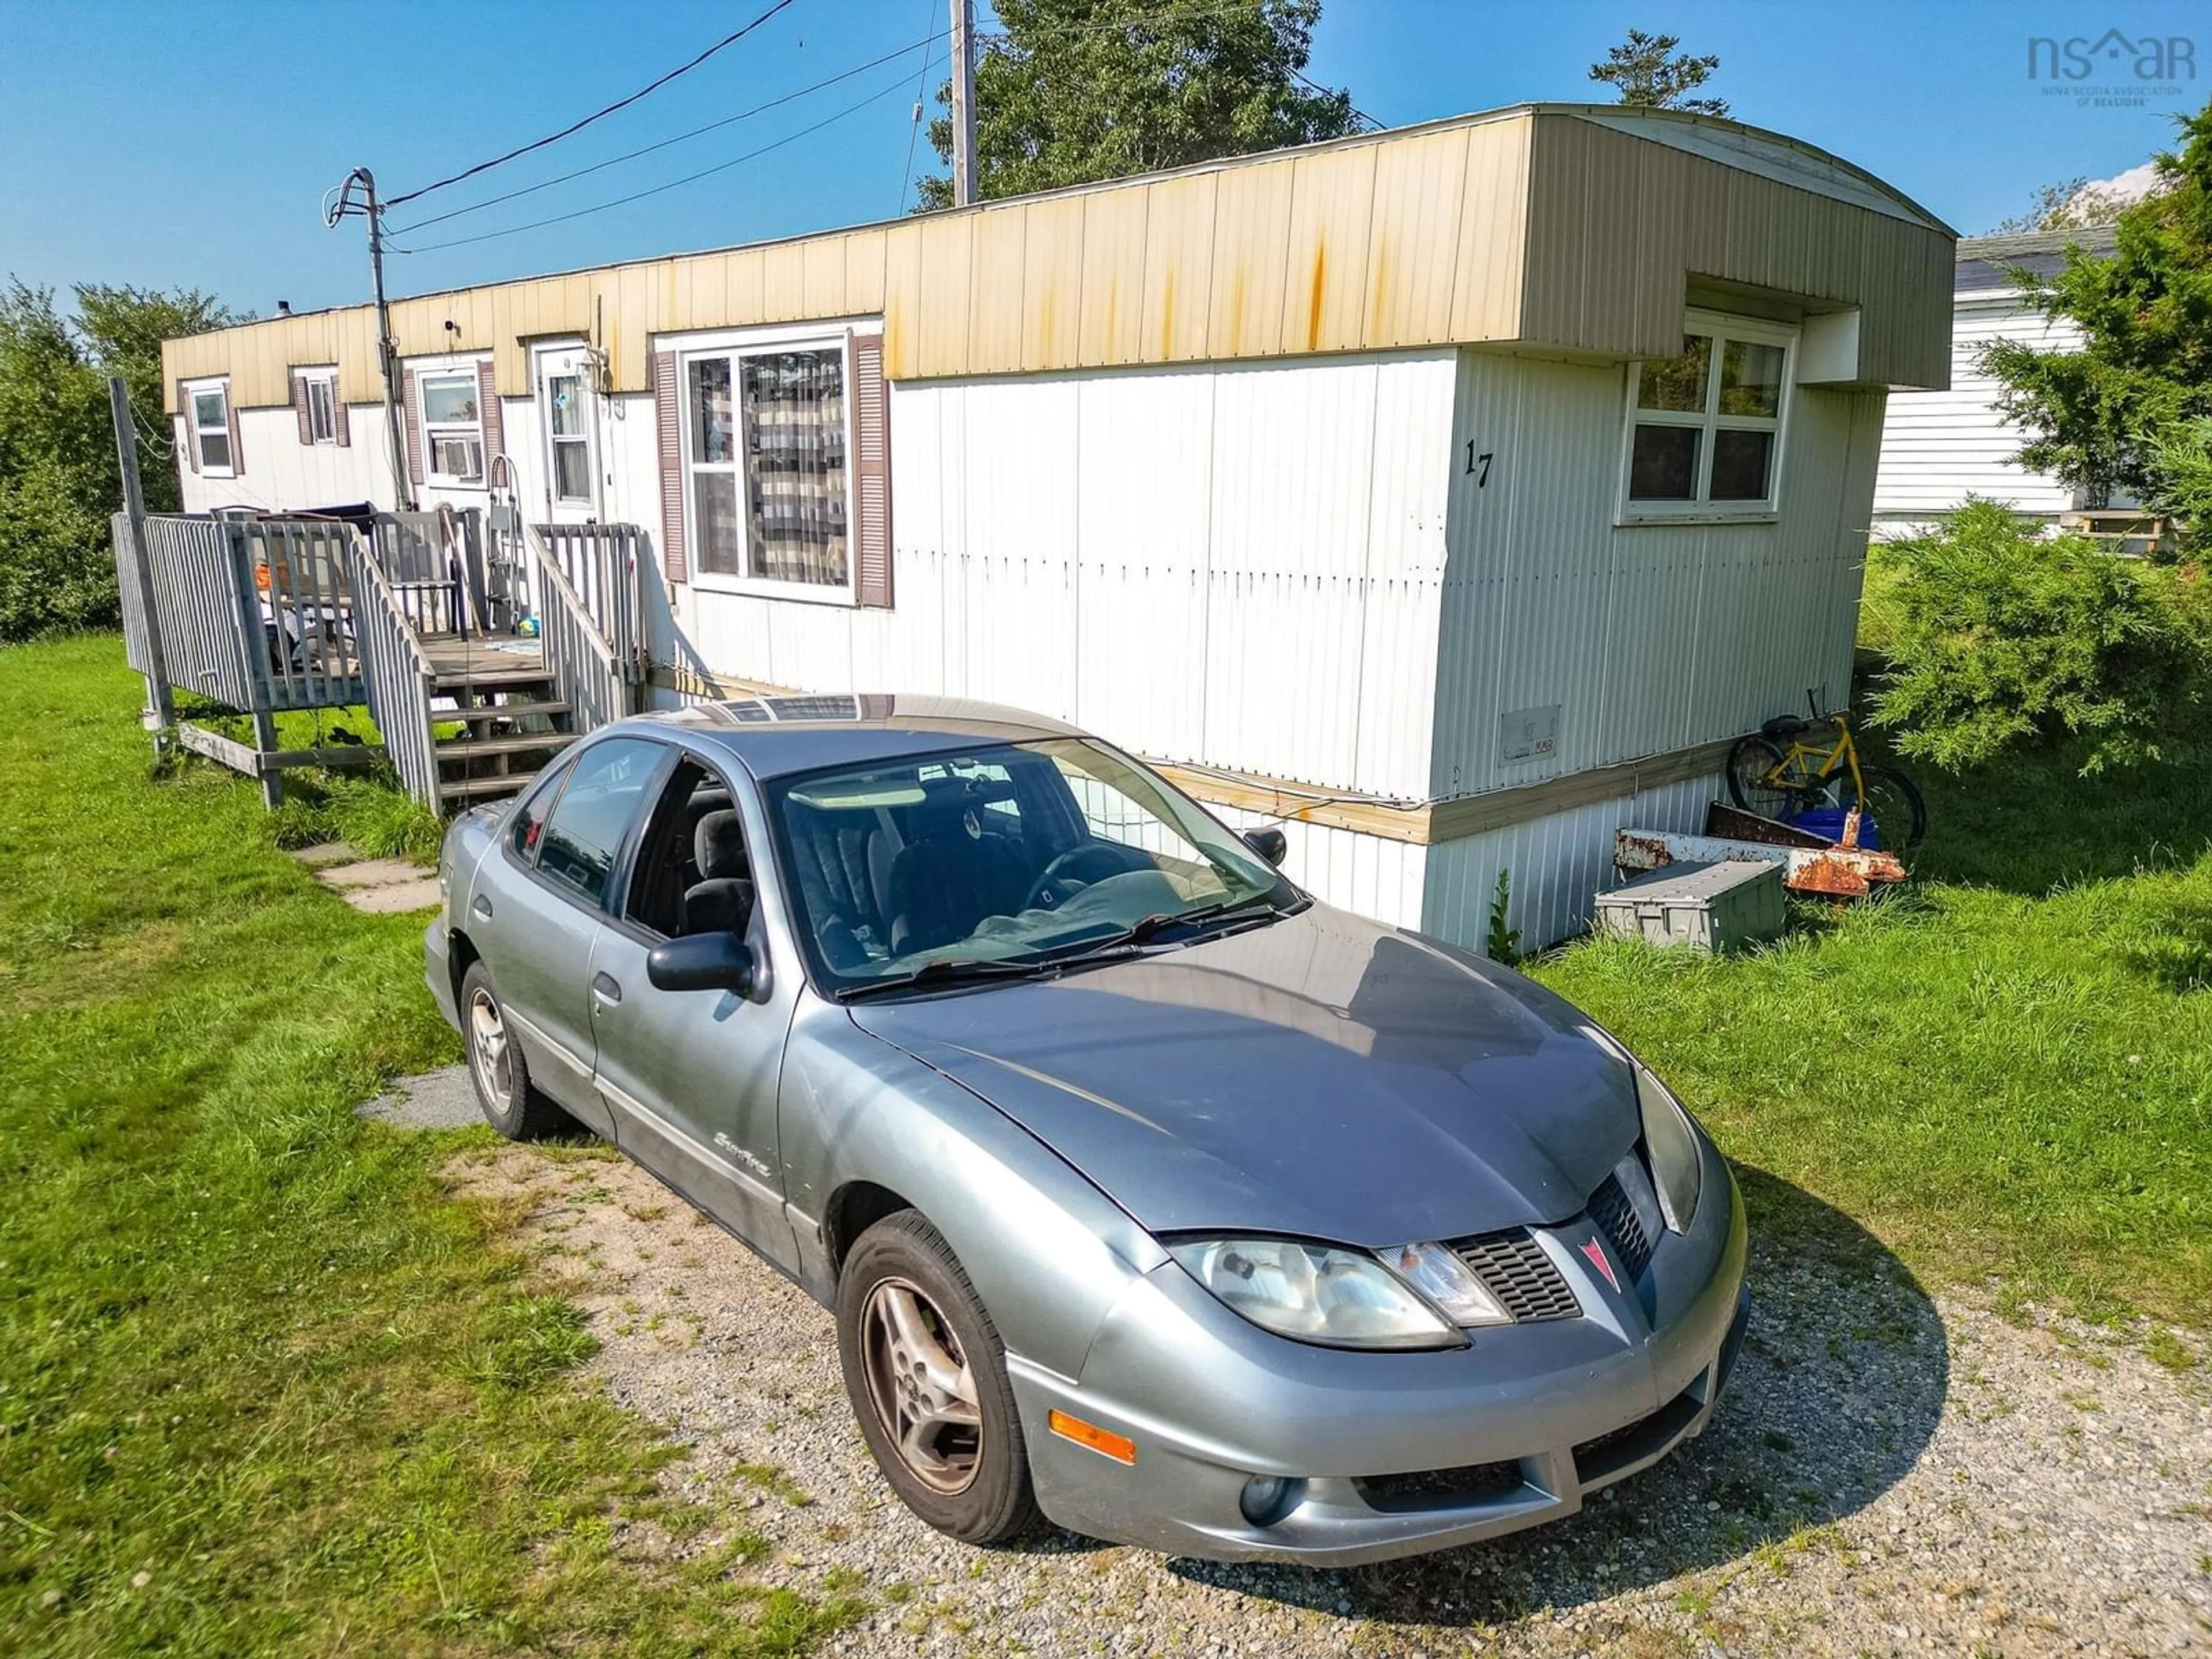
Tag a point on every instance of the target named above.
point(1939, 447)
point(1647, 638)
point(1557, 864)
point(1237, 565)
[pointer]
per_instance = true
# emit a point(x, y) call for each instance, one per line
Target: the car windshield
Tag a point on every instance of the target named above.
point(967, 865)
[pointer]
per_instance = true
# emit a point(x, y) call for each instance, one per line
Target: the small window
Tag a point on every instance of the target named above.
point(453, 427)
point(1705, 428)
point(322, 409)
point(572, 445)
point(211, 422)
point(580, 839)
point(766, 439)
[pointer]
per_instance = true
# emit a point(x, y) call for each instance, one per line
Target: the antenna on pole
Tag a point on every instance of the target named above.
point(346, 204)
point(963, 102)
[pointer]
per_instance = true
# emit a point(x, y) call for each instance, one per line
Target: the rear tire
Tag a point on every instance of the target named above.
point(1892, 801)
point(1751, 764)
point(926, 1375)
point(496, 1067)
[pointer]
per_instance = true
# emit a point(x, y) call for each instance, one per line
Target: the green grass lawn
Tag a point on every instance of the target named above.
point(263, 1387)
point(2005, 1068)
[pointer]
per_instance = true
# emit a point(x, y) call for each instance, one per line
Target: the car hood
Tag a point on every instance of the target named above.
point(1323, 1076)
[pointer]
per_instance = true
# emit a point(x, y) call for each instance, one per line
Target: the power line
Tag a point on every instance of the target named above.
point(876, 96)
point(695, 132)
point(920, 92)
point(1312, 85)
point(578, 126)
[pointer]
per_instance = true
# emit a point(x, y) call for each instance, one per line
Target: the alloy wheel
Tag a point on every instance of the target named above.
point(920, 1385)
point(487, 1048)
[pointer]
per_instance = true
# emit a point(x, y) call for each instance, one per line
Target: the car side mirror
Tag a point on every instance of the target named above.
point(1270, 844)
point(703, 962)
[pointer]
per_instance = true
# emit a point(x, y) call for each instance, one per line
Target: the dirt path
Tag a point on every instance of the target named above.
point(1888, 1474)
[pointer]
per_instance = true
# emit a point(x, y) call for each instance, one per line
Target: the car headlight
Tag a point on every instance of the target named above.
point(1677, 1168)
point(1315, 1292)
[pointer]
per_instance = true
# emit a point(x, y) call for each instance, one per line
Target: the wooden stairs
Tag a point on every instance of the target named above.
point(512, 721)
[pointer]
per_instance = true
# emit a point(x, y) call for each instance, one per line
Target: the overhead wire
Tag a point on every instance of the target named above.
point(876, 96)
point(695, 132)
point(574, 127)
point(913, 132)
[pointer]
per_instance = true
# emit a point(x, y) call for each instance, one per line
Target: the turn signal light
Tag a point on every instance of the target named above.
point(1105, 1442)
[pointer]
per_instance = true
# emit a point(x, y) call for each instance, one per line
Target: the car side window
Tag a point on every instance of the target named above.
point(606, 789)
point(530, 816)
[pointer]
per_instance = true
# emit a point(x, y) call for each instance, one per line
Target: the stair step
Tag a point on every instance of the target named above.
point(503, 711)
point(510, 783)
point(518, 743)
point(490, 679)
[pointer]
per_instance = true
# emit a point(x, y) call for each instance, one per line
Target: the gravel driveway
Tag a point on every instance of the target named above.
point(1887, 1474)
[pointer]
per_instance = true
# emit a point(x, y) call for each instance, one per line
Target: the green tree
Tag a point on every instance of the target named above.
point(2098, 414)
point(2066, 205)
point(1647, 71)
point(1078, 91)
point(58, 478)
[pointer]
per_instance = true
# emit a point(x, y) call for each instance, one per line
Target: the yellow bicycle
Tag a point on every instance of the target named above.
point(1821, 767)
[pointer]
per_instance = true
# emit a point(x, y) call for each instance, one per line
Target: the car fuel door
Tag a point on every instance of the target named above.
point(691, 1076)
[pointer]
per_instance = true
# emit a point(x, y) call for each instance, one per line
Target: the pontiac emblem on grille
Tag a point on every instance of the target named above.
point(1596, 1252)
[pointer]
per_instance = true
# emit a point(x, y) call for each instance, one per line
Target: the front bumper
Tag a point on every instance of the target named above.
point(1388, 1454)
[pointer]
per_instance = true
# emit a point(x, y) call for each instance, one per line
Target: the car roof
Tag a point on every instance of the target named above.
point(773, 736)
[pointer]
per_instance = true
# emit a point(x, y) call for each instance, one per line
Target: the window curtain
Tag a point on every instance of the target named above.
point(794, 405)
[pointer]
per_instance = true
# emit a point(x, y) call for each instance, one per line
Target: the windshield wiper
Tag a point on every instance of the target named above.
point(950, 970)
point(1152, 926)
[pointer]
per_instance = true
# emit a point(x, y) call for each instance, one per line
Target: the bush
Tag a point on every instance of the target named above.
point(1999, 638)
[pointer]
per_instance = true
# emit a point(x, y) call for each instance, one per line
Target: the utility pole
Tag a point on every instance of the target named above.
point(963, 102)
point(387, 349)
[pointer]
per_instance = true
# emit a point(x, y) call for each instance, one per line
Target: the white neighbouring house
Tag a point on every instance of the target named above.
point(1940, 446)
point(1455, 494)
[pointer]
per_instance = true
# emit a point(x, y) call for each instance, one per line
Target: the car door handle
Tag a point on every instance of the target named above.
point(606, 988)
point(482, 908)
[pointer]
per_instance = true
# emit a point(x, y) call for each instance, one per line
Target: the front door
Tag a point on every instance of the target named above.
point(568, 416)
point(689, 1077)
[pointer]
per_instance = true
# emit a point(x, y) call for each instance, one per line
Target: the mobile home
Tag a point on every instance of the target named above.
point(1452, 495)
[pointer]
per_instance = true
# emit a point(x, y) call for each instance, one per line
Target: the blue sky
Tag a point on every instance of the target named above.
point(192, 144)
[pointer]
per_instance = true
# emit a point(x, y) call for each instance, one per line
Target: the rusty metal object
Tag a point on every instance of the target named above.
point(1733, 824)
point(1821, 868)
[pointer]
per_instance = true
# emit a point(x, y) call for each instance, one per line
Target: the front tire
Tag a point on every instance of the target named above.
point(1754, 765)
point(496, 1067)
point(926, 1375)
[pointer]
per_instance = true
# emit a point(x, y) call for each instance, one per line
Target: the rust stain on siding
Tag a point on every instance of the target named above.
point(1313, 301)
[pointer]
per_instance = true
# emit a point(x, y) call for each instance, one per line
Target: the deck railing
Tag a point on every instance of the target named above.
point(206, 613)
point(296, 568)
point(396, 670)
point(601, 562)
point(580, 659)
point(433, 565)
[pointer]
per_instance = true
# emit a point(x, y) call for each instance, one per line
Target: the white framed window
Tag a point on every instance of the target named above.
point(207, 415)
point(318, 394)
point(766, 421)
point(452, 425)
point(1704, 430)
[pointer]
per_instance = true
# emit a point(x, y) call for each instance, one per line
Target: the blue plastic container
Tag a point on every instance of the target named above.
point(1829, 821)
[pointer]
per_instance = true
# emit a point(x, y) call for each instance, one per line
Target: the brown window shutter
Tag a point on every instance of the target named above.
point(299, 408)
point(495, 427)
point(871, 479)
point(668, 406)
point(230, 413)
point(341, 427)
point(411, 406)
point(192, 438)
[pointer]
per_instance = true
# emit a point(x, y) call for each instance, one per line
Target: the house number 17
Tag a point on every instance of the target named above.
point(1477, 466)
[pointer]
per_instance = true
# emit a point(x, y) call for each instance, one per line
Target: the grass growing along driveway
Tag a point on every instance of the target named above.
point(2005, 1068)
point(263, 1387)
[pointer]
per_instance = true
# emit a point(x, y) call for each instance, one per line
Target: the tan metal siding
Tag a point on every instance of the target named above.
point(1535, 225)
point(1618, 227)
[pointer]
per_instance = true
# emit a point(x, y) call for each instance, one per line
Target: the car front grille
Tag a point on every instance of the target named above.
point(1514, 1268)
point(1616, 1218)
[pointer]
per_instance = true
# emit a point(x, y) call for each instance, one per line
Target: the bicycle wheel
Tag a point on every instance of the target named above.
point(1891, 800)
point(1754, 771)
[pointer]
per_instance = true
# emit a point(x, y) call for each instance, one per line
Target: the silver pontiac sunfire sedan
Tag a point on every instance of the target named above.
point(1148, 1193)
